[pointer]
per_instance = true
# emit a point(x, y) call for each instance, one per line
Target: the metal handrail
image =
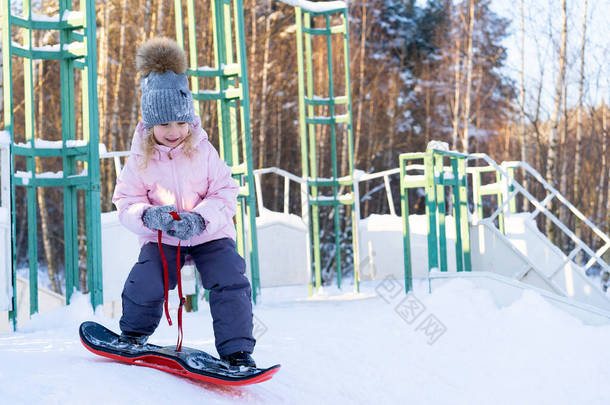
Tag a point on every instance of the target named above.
point(541, 208)
point(116, 156)
point(287, 178)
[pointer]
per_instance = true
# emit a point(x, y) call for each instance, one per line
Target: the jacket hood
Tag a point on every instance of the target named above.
point(140, 134)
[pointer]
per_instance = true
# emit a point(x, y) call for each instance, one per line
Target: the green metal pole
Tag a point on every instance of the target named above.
point(231, 99)
point(68, 130)
point(315, 214)
point(223, 113)
point(247, 146)
point(217, 64)
point(32, 203)
point(303, 131)
point(231, 105)
point(350, 149)
point(476, 191)
point(431, 210)
point(500, 197)
point(440, 203)
point(406, 237)
point(457, 215)
point(91, 128)
point(510, 188)
point(333, 150)
point(465, 223)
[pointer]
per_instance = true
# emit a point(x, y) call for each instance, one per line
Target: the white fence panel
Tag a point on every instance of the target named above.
point(6, 290)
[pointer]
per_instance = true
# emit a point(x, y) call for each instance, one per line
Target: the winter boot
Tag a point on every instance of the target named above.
point(133, 338)
point(239, 359)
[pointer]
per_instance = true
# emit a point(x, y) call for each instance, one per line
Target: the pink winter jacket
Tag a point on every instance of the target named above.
point(201, 183)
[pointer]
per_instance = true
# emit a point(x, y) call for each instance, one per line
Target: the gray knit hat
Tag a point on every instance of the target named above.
point(166, 95)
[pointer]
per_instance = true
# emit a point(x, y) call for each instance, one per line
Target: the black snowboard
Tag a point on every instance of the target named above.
point(191, 363)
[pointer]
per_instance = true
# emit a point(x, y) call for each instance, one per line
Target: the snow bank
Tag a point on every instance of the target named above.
point(282, 249)
point(380, 346)
point(316, 7)
point(5, 138)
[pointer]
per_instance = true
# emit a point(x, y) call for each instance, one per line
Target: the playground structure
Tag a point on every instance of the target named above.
point(78, 149)
point(464, 241)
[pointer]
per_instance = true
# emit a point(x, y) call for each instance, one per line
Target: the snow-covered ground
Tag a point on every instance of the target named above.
point(453, 346)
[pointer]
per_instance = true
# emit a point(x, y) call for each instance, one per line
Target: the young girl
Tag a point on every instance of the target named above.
point(173, 167)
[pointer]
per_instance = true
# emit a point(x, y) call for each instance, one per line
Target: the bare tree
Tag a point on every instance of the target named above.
point(522, 99)
point(551, 171)
point(102, 75)
point(264, 88)
point(42, 192)
point(457, 85)
point(579, 127)
point(363, 39)
point(602, 187)
point(469, 58)
point(553, 139)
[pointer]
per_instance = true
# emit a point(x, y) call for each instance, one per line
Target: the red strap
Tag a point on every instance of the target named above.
point(166, 285)
point(165, 278)
point(182, 300)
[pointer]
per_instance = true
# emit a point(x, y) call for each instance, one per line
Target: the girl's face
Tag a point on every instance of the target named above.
point(171, 134)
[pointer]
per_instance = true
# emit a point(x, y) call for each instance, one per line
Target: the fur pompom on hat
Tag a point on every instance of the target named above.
point(160, 55)
point(166, 95)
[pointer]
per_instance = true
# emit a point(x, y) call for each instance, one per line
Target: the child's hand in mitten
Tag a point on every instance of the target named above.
point(191, 224)
point(158, 218)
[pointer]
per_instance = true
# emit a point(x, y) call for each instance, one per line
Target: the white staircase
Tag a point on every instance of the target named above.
point(535, 259)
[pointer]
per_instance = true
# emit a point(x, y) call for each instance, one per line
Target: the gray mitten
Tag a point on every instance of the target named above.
point(158, 218)
point(191, 224)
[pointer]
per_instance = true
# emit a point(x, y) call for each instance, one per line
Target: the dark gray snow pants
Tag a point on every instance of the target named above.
point(222, 273)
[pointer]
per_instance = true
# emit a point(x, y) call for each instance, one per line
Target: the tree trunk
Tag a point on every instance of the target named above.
point(144, 29)
point(369, 160)
point(553, 145)
point(522, 103)
point(160, 17)
point(480, 98)
point(607, 141)
point(602, 188)
point(361, 95)
point(263, 98)
point(469, 58)
point(104, 39)
point(563, 176)
point(428, 109)
point(114, 122)
point(456, 93)
point(576, 198)
point(278, 154)
point(42, 194)
point(551, 170)
point(392, 108)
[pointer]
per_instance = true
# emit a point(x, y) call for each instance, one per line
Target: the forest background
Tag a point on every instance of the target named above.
point(420, 71)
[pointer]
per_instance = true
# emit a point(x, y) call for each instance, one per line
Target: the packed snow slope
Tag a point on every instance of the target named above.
point(453, 346)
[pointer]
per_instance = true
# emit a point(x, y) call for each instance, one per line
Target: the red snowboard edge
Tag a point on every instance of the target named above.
point(174, 367)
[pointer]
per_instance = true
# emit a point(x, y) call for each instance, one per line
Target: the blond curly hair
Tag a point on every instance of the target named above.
point(188, 148)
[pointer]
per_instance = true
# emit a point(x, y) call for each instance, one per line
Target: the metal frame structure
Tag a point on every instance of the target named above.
point(506, 188)
point(436, 173)
point(77, 49)
point(305, 13)
point(231, 95)
point(437, 176)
